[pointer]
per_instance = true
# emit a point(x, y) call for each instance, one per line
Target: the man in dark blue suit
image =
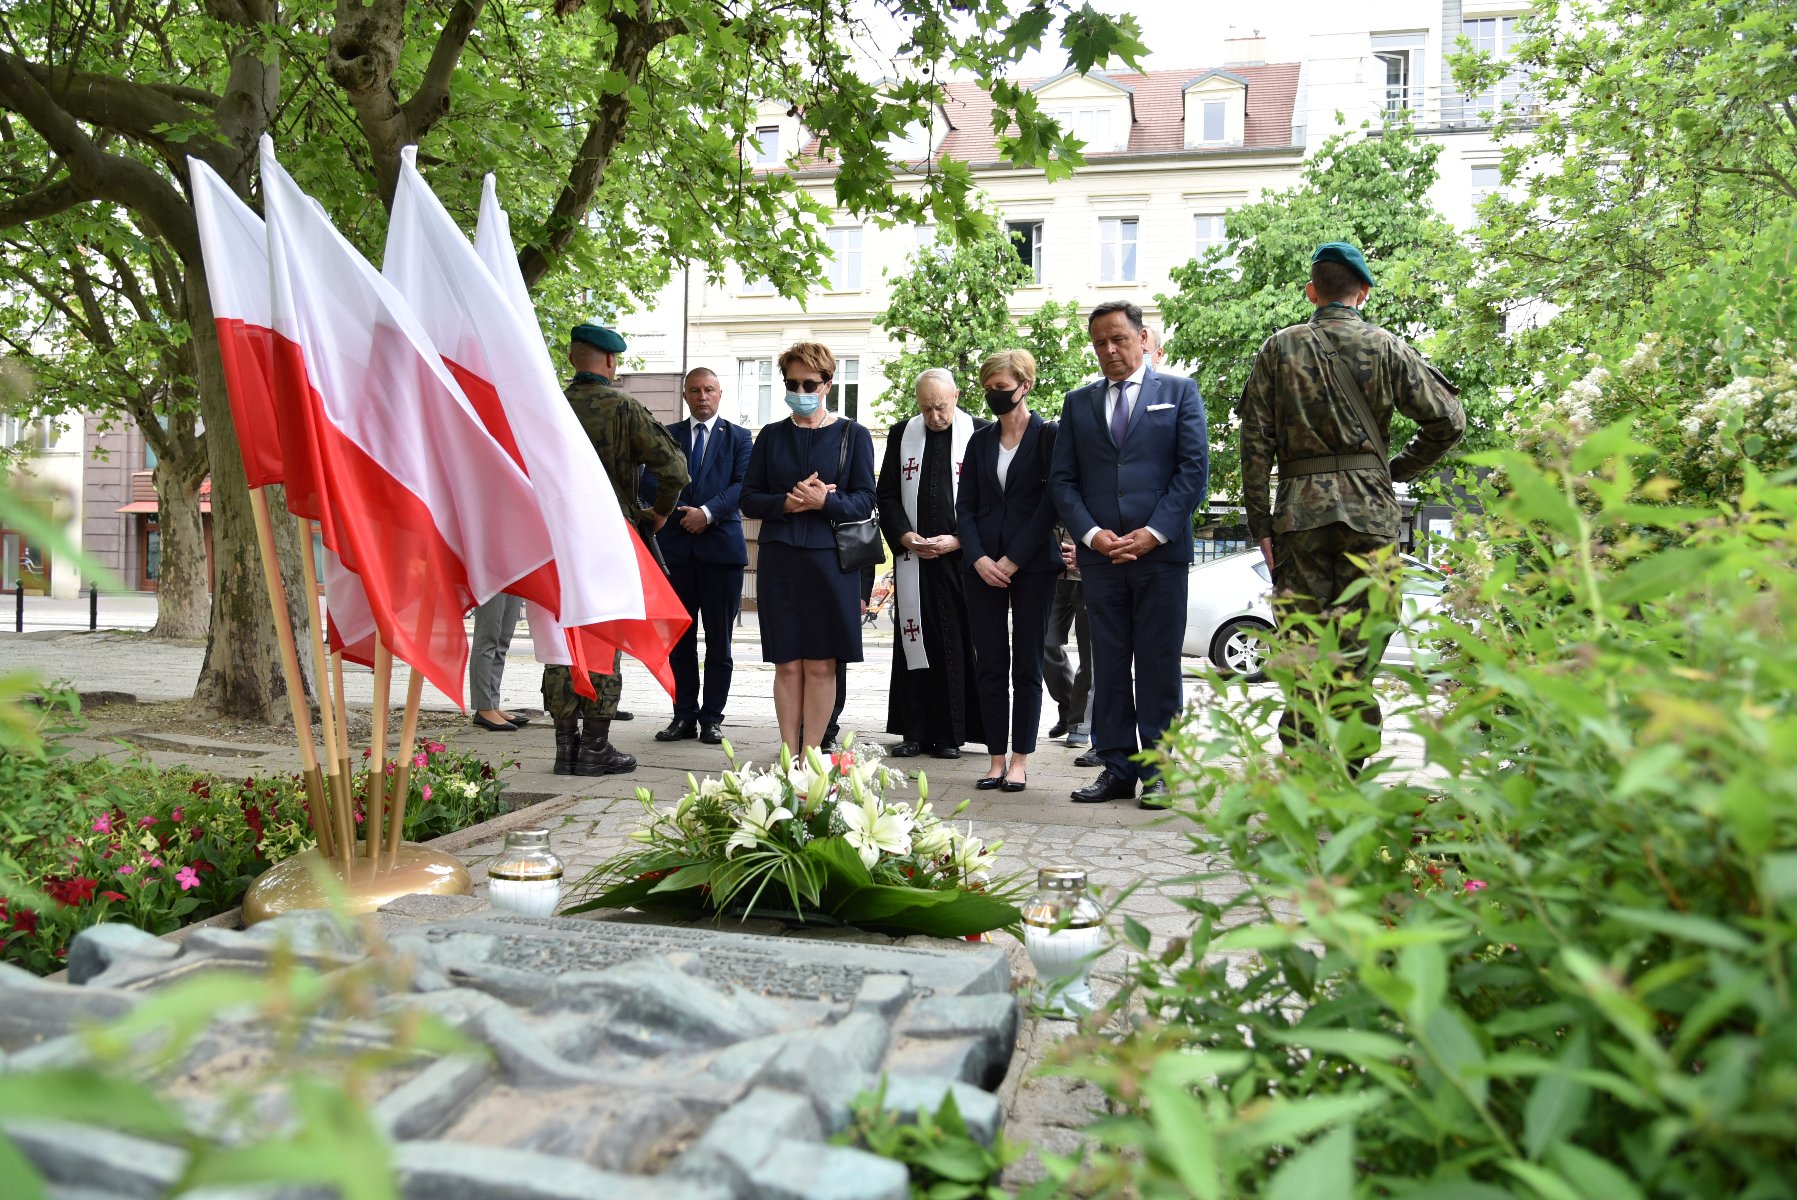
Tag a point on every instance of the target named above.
point(703, 546)
point(1130, 466)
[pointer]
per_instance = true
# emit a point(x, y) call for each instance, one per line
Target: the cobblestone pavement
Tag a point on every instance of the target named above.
point(1132, 856)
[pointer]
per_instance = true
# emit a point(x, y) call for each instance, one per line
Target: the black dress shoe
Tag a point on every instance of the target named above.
point(1155, 795)
point(1058, 729)
point(1105, 788)
point(519, 721)
point(621, 715)
point(1089, 759)
point(712, 733)
point(989, 783)
point(1014, 785)
point(678, 730)
point(947, 752)
point(481, 722)
point(906, 749)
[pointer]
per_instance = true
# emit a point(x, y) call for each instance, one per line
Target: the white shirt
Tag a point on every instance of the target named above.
point(1112, 393)
point(711, 428)
point(1005, 455)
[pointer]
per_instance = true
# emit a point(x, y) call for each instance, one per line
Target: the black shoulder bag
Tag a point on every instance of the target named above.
point(857, 542)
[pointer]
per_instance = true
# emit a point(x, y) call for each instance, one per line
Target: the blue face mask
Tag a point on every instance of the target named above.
point(803, 404)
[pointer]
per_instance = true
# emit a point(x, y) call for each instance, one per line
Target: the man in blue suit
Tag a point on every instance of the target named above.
point(702, 544)
point(1130, 466)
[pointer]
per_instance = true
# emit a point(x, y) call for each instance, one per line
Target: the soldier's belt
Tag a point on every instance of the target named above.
point(1327, 463)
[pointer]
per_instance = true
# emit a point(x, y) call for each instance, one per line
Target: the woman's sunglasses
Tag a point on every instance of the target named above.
point(805, 385)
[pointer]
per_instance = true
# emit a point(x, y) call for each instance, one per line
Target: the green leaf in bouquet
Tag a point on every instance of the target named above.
point(695, 875)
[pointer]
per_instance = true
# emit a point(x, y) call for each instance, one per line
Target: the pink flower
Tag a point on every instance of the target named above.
point(177, 816)
point(150, 860)
point(103, 823)
point(126, 870)
point(419, 760)
point(145, 822)
point(187, 877)
point(1475, 885)
point(426, 793)
point(435, 747)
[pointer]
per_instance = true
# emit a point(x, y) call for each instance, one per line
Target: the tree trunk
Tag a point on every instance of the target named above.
point(241, 676)
point(181, 600)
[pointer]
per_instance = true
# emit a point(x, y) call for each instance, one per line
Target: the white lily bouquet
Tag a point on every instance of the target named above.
point(830, 836)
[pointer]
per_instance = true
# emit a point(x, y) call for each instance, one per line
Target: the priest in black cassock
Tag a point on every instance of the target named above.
point(933, 705)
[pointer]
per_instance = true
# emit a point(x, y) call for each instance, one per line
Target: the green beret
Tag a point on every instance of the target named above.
point(1347, 255)
point(599, 336)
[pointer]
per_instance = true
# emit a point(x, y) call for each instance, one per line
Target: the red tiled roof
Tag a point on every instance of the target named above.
point(1159, 110)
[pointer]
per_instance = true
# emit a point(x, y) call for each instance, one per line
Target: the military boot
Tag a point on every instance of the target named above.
point(567, 744)
point(598, 756)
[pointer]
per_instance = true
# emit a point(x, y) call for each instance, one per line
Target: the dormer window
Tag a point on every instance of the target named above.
point(764, 147)
point(1094, 108)
point(1216, 110)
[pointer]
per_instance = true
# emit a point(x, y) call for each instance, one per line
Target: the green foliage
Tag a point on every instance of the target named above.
point(1555, 960)
point(99, 841)
point(953, 308)
point(1661, 134)
point(825, 840)
point(945, 1161)
point(1371, 191)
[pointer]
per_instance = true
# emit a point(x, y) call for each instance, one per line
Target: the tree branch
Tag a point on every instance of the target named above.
point(98, 175)
point(44, 202)
point(134, 110)
point(430, 102)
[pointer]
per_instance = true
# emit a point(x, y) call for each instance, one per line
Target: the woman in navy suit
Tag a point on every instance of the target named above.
point(1006, 524)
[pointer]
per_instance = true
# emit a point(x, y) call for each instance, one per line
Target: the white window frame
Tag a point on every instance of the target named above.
point(846, 253)
point(766, 151)
point(1404, 50)
point(1494, 188)
point(1207, 108)
point(1092, 125)
point(755, 391)
point(1035, 229)
point(1119, 243)
point(1206, 223)
point(845, 396)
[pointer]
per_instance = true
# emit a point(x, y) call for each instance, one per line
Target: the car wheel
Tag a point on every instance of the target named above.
point(1235, 651)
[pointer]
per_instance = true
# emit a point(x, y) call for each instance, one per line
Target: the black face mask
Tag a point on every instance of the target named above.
point(1002, 400)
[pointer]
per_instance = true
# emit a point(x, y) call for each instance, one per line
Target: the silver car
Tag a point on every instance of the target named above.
point(1229, 602)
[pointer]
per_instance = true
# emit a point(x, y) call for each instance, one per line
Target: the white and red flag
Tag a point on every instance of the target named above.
point(410, 490)
point(612, 594)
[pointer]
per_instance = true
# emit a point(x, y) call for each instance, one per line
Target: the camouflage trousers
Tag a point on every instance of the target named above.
point(1311, 569)
point(562, 701)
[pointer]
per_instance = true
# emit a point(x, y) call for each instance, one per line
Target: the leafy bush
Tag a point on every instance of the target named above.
point(1556, 962)
point(945, 1161)
point(161, 848)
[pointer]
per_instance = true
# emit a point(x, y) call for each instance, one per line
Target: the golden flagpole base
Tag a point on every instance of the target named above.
point(311, 881)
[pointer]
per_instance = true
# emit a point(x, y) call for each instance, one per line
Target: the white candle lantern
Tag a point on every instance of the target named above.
point(527, 878)
point(1063, 931)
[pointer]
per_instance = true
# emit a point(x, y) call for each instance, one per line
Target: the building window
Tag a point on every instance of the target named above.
point(845, 396)
point(1400, 57)
point(149, 555)
point(757, 287)
point(1486, 181)
point(845, 257)
point(1117, 250)
point(1026, 236)
point(37, 435)
point(765, 146)
point(1092, 126)
point(1215, 117)
point(1498, 37)
point(1210, 234)
point(755, 390)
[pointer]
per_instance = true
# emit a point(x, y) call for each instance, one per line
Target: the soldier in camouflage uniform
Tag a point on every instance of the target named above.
point(628, 440)
point(1336, 498)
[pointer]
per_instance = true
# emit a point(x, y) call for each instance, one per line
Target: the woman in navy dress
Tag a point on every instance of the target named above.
point(810, 609)
point(1006, 521)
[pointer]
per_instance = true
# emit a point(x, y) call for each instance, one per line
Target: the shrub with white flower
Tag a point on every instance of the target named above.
point(819, 838)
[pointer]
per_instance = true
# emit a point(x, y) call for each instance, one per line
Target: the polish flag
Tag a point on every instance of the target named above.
point(612, 594)
point(412, 493)
point(234, 248)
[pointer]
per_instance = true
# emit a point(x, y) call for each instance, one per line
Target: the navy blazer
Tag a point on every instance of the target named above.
point(1016, 520)
point(1156, 479)
point(716, 486)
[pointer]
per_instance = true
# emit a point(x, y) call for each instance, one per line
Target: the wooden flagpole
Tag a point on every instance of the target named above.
point(344, 839)
point(342, 749)
point(402, 777)
point(377, 748)
point(295, 680)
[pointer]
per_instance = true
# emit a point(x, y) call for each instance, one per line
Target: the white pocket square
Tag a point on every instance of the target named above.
point(1159, 407)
